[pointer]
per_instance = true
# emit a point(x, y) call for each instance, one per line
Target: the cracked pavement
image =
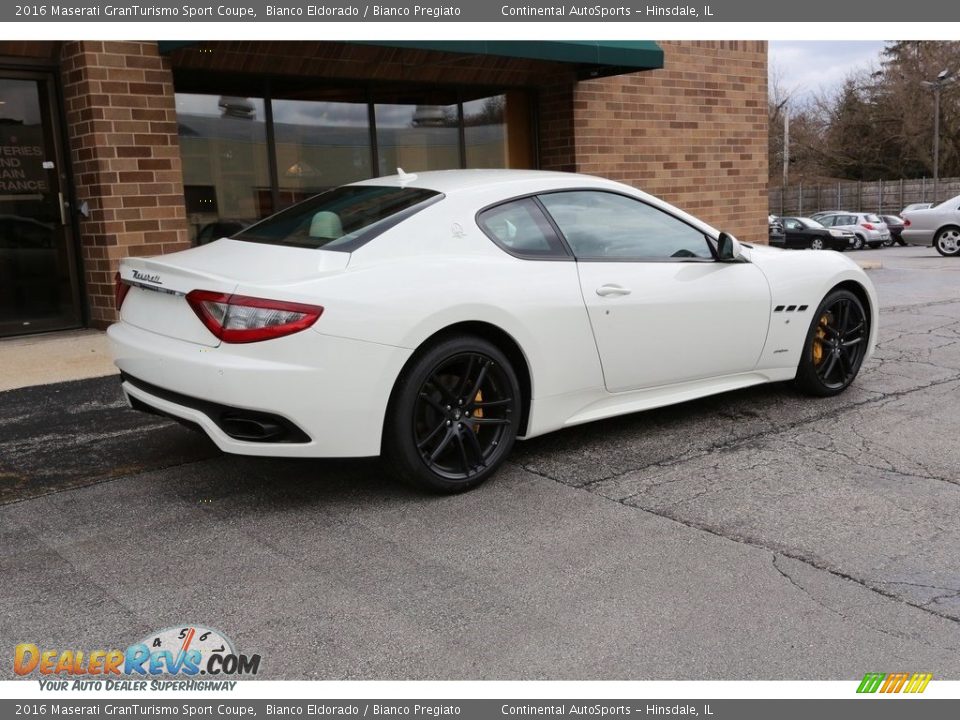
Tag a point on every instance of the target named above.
point(752, 535)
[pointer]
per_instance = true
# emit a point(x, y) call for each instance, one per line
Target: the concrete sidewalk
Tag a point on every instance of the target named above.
point(54, 357)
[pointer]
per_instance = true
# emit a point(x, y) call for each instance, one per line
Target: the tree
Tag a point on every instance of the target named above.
point(879, 125)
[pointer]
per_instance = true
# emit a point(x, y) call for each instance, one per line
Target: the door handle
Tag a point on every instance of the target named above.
point(611, 289)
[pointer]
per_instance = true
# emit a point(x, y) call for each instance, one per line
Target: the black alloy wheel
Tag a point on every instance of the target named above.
point(835, 345)
point(454, 416)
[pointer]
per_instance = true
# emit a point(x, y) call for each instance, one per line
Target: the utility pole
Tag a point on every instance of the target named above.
point(786, 145)
point(945, 77)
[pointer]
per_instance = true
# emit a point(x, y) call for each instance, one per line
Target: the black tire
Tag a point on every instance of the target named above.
point(827, 367)
point(453, 416)
point(875, 245)
point(817, 244)
point(858, 242)
point(947, 241)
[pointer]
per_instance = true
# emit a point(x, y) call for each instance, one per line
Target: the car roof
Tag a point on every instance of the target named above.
point(452, 181)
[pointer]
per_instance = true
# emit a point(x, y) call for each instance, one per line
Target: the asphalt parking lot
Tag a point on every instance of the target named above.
point(755, 535)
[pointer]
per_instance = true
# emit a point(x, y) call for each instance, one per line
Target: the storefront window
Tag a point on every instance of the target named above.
point(319, 145)
point(485, 132)
point(418, 137)
point(226, 177)
point(246, 157)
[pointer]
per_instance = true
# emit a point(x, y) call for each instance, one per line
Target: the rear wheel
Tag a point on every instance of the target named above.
point(835, 345)
point(947, 242)
point(858, 242)
point(453, 418)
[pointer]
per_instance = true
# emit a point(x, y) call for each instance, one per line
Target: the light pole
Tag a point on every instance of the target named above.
point(944, 78)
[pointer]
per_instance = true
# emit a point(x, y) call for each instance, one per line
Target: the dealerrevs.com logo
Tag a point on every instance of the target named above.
point(187, 652)
point(887, 683)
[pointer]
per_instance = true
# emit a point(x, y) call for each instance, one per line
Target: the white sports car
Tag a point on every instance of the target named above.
point(434, 319)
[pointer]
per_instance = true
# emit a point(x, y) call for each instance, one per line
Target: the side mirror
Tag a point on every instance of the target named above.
point(728, 248)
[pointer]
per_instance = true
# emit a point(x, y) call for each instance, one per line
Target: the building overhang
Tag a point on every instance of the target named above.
point(591, 59)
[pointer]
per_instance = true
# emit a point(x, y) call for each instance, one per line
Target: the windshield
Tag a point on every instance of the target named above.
point(340, 219)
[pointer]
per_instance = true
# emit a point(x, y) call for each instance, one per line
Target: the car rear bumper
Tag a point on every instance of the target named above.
point(305, 395)
point(839, 243)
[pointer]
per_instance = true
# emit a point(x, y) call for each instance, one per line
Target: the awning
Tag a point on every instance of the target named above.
point(593, 58)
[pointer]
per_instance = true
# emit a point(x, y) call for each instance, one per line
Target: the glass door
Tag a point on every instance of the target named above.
point(38, 278)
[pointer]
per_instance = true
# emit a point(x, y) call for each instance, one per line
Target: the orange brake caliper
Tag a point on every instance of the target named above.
point(478, 413)
point(818, 339)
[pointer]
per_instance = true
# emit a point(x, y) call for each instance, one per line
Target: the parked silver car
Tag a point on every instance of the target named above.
point(938, 226)
point(867, 228)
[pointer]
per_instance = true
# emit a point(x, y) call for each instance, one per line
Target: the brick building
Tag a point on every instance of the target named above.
point(110, 149)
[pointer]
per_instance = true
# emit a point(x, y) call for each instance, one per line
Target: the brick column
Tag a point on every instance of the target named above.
point(693, 133)
point(122, 129)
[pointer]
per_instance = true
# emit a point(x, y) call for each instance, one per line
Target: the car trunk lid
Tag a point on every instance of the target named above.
point(159, 285)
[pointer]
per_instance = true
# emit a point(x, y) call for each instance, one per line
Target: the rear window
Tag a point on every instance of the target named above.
point(341, 219)
point(872, 218)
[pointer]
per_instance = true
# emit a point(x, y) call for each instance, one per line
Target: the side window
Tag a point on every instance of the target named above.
point(827, 221)
point(604, 225)
point(520, 228)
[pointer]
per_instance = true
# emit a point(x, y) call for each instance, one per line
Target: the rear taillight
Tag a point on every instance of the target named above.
point(120, 290)
point(906, 222)
point(868, 226)
point(241, 319)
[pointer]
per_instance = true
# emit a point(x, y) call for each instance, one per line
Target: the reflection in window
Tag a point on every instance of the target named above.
point(521, 229)
point(320, 145)
point(223, 147)
point(417, 137)
point(485, 132)
point(322, 138)
point(603, 225)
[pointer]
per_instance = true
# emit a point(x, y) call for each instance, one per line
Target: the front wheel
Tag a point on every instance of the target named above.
point(947, 242)
point(835, 345)
point(453, 417)
point(816, 244)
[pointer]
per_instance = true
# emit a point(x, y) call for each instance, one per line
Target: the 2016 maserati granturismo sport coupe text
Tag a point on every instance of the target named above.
point(436, 318)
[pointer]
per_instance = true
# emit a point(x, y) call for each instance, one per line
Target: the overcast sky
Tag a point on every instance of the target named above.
point(808, 67)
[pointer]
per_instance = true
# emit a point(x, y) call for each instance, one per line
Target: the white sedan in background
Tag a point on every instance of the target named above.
point(938, 226)
point(434, 319)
